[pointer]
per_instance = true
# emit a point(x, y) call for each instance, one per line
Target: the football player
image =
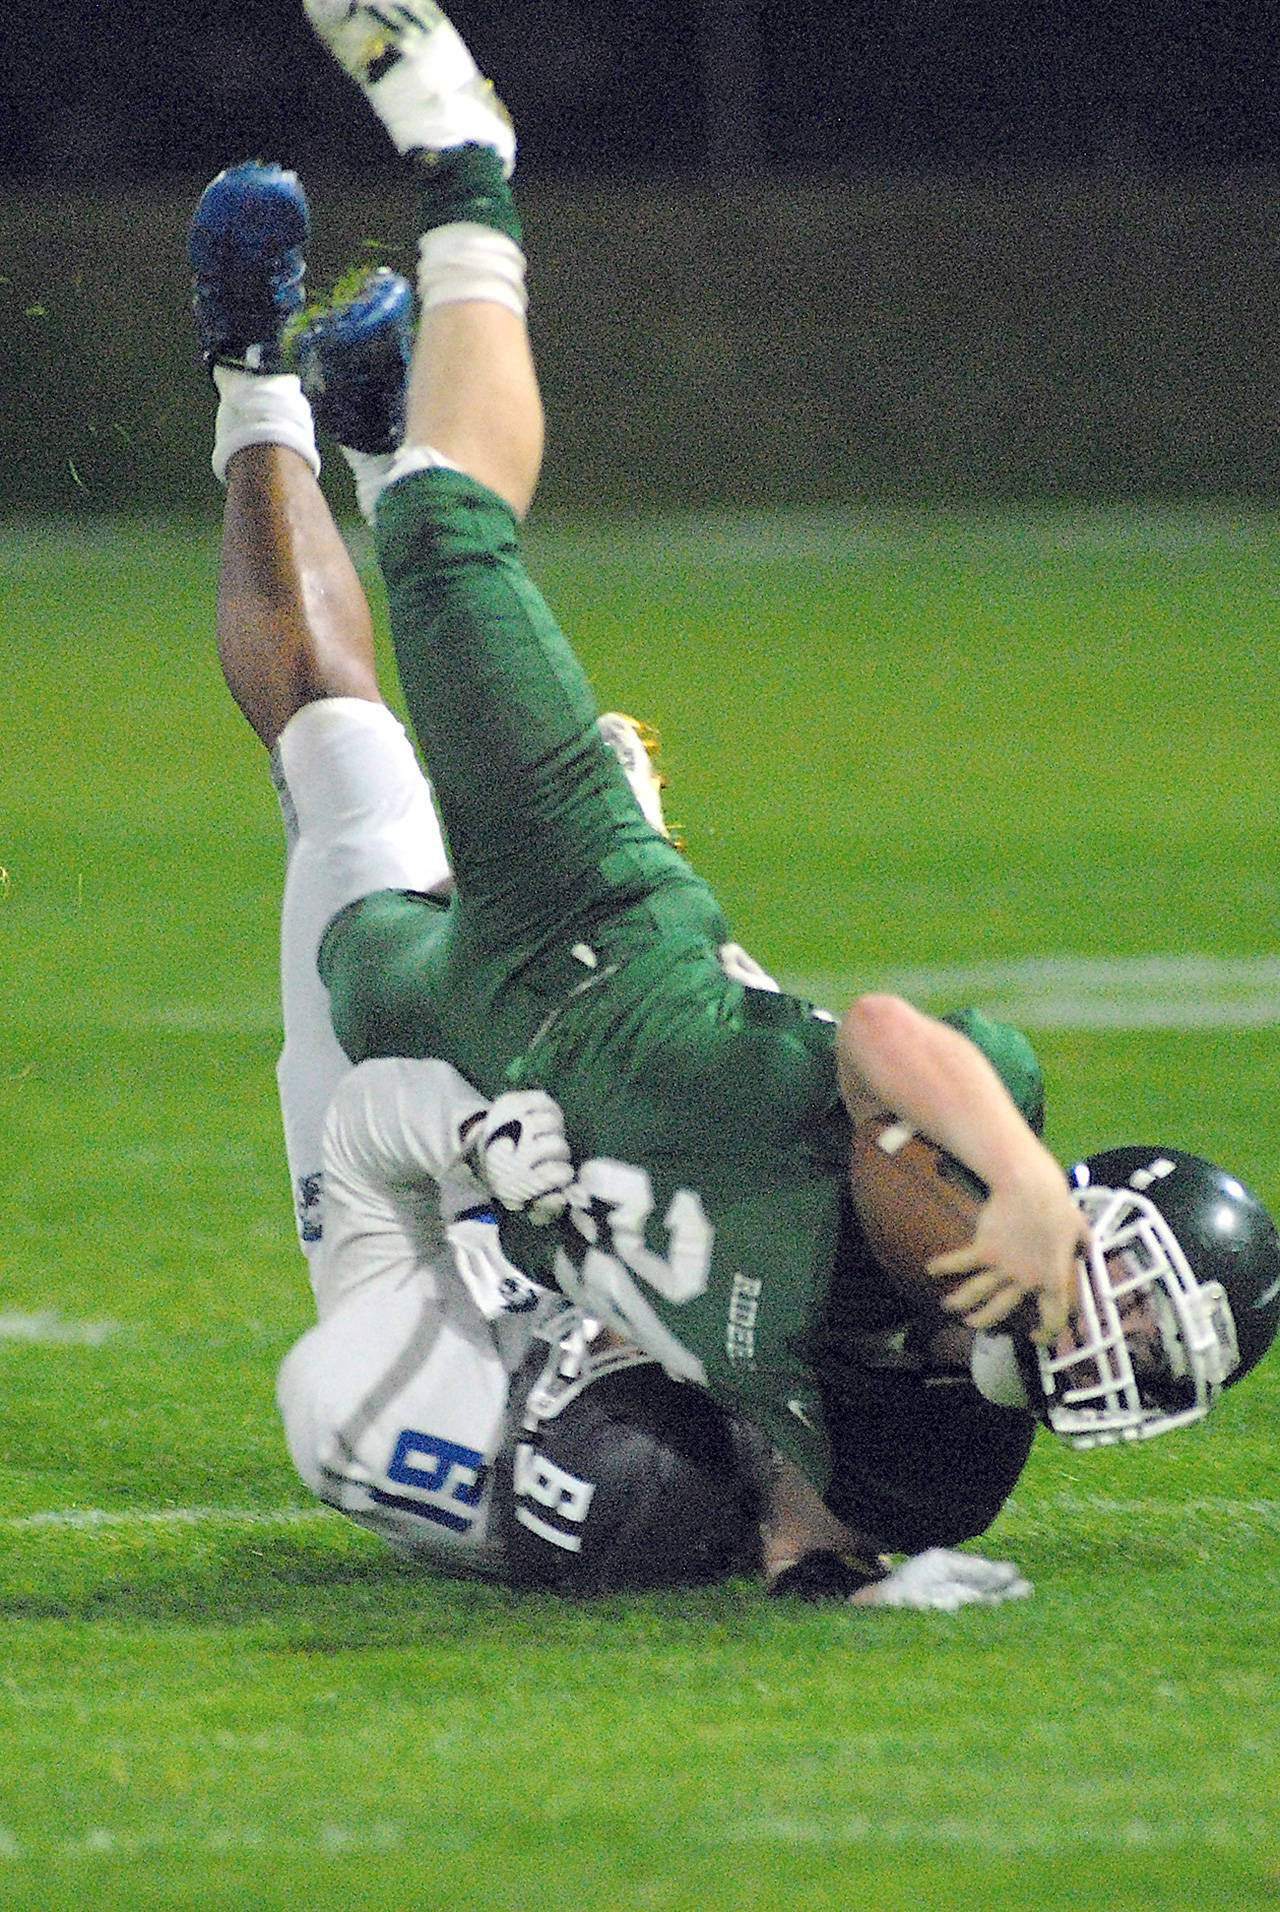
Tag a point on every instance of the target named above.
point(479, 1422)
point(581, 952)
point(710, 1116)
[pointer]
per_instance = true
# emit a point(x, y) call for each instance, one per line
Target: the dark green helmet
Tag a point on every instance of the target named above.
point(1180, 1296)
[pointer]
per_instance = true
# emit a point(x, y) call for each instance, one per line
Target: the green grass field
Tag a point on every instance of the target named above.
point(899, 746)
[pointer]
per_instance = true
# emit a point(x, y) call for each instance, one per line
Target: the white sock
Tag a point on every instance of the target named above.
point(261, 409)
point(466, 260)
point(369, 469)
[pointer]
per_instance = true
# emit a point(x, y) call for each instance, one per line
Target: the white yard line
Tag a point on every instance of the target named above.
point(1036, 1834)
point(1036, 992)
point(1081, 992)
point(1033, 1833)
point(47, 1325)
point(1256, 1511)
point(92, 1518)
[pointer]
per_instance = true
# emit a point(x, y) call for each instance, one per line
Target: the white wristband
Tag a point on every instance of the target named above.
point(994, 1368)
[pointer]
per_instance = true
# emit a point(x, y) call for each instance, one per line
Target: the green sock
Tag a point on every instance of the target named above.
point(466, 182)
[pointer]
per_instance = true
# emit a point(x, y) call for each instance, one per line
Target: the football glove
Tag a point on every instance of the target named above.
point(521, 1154)
point(943, 1579)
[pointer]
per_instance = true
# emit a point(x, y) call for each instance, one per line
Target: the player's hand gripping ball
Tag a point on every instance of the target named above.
point(914, 1201)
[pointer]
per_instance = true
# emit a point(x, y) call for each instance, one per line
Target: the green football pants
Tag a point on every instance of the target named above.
point(548, 846)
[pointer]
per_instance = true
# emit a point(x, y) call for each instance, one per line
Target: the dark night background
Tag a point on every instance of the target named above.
point(935, 249)
point(110, 92)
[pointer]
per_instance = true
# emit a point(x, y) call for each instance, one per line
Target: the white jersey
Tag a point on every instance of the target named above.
point(394, 1404)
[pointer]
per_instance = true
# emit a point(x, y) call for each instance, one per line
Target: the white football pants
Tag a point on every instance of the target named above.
point(358, 817)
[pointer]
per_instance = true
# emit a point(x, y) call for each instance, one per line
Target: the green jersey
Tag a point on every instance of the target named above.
point(581, 954)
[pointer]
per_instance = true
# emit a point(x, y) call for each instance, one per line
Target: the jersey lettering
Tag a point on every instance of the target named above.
point(538, 1479)
point(442, 1475)
point(616, 1202)
point(740, 1331)
point(621, 1200)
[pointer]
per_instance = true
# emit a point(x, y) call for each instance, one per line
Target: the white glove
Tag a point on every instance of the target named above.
point(944, 1580)
point(521, 1154)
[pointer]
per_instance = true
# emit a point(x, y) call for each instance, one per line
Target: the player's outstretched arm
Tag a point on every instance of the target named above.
point(401, 1181)
point(1029, 1229)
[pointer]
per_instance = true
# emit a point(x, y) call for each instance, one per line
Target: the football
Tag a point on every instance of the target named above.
point(914, 1201)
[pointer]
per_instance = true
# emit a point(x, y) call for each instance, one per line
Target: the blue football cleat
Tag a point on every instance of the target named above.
point(353, 358)
point(245, 247)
